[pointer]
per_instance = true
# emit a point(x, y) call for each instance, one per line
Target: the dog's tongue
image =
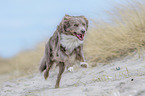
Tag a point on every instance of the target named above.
point(80, 36)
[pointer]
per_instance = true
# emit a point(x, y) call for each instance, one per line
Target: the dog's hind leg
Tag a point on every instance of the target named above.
point(61, 70)
point(46, 73)
point(42, 64)
point(48, 58)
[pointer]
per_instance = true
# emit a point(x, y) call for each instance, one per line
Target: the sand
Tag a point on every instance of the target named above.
point(120, 78)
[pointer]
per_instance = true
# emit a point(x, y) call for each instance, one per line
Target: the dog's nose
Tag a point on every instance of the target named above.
point(83, 31)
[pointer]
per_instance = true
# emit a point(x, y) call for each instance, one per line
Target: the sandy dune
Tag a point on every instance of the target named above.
point(103, 80)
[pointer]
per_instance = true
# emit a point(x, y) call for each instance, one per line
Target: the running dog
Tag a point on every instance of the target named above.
point(65, 47)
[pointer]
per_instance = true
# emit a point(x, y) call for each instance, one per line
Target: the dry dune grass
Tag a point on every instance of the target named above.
point(105, 41)
point(24, 63)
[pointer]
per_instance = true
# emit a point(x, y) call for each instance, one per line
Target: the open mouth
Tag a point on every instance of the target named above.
point(80, 36)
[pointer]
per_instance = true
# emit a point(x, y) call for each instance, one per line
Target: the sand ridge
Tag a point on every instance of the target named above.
point(103, 80)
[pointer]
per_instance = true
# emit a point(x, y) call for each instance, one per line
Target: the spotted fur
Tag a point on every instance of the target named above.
point(65, 47)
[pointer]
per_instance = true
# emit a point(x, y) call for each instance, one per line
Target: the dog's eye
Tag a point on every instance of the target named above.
point(83, 24)
point(76, 25)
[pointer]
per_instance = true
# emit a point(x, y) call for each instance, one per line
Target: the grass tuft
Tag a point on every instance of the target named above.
point(124, 35)
point(24, 63)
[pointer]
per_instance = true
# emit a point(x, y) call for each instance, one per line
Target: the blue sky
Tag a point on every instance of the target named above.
point(25, 23)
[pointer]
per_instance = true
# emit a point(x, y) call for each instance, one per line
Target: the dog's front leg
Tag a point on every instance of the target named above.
point(69, 66)
point(80, 57)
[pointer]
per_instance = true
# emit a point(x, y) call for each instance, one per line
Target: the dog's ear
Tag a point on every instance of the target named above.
point(87, 22)
point(66, 17)
point(65, 22)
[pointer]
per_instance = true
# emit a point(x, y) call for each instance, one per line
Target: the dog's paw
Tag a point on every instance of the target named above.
point(46, 74)
point(56, 86)
point(70, 69)
point(84, 64)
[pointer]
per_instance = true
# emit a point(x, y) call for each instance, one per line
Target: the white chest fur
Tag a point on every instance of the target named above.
point(70, 42)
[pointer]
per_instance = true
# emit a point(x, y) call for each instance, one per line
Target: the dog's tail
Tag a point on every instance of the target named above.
point(42, 64)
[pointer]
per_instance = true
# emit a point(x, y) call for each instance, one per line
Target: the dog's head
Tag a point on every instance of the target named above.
point(75, 26)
